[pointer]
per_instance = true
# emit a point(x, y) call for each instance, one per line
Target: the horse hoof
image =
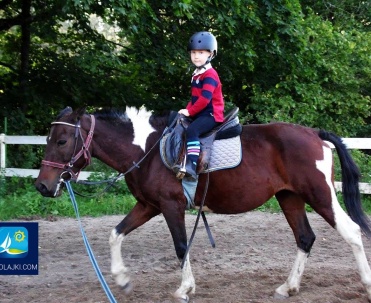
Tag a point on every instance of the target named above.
point(127, 288)
point(279, 296)
point(181, 300)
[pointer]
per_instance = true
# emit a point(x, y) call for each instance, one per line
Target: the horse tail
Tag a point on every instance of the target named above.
point(350, 176)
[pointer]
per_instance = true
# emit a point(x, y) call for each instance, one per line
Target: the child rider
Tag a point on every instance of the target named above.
point(206, 107)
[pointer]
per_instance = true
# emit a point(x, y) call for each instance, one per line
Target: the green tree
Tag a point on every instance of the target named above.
point(296, 61)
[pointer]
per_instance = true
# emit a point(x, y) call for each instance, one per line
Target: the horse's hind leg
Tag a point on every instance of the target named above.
point(293, 208)
point(351, 233)
point(139, 215)
point(347, 228)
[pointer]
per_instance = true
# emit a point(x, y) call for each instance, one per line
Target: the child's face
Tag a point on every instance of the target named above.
point(199, 57)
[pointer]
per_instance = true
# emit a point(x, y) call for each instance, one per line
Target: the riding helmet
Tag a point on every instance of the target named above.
point(203, 41)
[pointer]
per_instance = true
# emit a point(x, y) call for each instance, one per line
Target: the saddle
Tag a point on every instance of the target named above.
point(173, 144)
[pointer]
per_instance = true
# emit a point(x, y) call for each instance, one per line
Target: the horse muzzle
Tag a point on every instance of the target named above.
point(50, 190)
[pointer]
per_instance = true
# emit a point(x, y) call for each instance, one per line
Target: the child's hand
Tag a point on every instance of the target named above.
point(184, 112)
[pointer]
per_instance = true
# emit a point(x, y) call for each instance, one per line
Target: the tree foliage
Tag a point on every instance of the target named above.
point(297, 61)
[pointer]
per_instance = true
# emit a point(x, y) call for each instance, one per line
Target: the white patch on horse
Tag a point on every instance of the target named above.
point(188, 285)
point(142, 128)
point(118, 269)
point(292, 284)
point(346, 227)
point(325, 166)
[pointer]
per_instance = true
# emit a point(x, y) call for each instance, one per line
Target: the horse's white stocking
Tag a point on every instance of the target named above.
point(351, 233)
point(292, 284)
point(348, 229)
point(188, 283)
point(118, 269)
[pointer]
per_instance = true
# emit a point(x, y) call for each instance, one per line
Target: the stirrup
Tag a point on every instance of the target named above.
point(179, 171)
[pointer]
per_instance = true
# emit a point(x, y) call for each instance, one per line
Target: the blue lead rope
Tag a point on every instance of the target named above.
point(102, 281)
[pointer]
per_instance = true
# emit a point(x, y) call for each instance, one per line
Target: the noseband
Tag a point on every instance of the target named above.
point(67, 167)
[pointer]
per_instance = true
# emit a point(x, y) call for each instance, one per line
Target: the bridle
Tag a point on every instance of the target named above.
point(84, 151)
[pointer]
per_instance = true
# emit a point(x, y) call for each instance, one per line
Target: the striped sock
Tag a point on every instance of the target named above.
point(193, 150)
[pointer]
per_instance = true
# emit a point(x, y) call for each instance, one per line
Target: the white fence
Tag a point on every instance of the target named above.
point(351, 143)
point(24, 172)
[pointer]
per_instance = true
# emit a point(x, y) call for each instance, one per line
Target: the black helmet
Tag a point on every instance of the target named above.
point(203, 40)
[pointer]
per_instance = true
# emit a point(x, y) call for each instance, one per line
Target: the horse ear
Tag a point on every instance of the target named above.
point(78, 113)
point(81, 111)
point(64, 112)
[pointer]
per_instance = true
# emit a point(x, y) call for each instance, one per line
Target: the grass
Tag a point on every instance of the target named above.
point(25, 202)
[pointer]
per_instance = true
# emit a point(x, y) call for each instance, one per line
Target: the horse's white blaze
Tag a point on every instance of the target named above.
point(141, 125)
point(292, 283)
point(188, 282)
point(118, 268)
point(346, 227)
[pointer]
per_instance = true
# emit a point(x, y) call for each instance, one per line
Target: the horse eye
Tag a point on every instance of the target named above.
point(61, 142)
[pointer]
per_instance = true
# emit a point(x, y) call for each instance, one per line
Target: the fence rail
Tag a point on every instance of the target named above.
point(351, 143)
point(24, 172)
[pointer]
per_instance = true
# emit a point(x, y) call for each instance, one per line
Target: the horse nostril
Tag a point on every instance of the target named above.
point(41, 188)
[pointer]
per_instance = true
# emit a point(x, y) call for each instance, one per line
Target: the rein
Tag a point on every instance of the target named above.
point(94, 262)
point(200, 213)
point(112, 181)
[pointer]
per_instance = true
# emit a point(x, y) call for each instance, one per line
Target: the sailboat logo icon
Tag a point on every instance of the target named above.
point(13, 242)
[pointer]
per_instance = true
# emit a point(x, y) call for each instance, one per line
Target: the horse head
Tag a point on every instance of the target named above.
point(67, 152)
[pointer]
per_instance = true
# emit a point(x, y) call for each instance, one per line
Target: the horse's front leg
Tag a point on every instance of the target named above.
point(292, 284)
point(175, 220)
point(188, 285)
point(139, 215)
point(293, 207)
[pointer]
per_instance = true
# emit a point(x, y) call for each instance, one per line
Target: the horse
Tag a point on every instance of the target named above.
point(291, 162)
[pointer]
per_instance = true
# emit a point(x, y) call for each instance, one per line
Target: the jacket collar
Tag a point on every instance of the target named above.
point(199, 71)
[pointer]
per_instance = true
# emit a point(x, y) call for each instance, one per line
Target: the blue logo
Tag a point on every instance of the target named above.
point(19, 248)
point(13, 242)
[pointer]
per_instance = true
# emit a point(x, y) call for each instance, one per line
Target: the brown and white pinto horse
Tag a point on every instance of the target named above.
point(291, 162)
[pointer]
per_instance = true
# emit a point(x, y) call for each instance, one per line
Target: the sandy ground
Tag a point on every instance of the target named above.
point(253, 255)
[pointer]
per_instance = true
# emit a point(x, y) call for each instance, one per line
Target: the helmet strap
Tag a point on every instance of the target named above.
point(206, 63)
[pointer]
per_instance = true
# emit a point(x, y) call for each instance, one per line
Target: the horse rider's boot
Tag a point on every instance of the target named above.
point(191, 167)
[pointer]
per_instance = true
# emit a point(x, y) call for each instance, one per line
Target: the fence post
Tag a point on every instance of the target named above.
point(2, 152)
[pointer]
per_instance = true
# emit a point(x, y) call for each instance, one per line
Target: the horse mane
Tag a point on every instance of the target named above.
point(115, 116)
point(160, 119)
point(111, 115)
